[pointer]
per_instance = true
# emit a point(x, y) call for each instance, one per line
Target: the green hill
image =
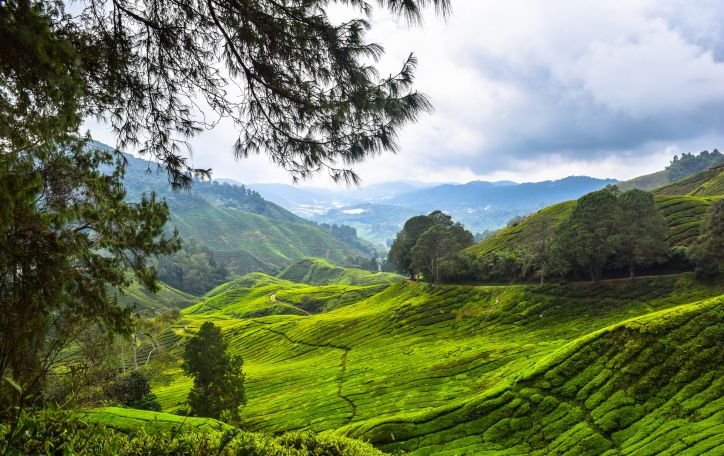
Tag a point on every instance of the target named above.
point(315, 271)
point(679, 169)
point(138, 297)
point(709, 183)
point(627, 367)
point(243, 230)
point(684, 205)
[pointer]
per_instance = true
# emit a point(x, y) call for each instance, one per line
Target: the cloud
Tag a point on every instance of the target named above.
point(529, 90)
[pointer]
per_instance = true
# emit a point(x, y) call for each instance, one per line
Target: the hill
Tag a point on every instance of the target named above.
point(242, 229)
point(708, 183)
point(683, 204)
point(138, 297)
point(624, 367)
point(678, 169)
point(315, 271)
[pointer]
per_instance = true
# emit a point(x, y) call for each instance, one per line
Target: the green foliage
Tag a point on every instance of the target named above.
point(132, 390)
point(643, 230)
point(690, 164)
point(218, 379)
point(112, 431)
point(469, 369)
point(588, 237)
point(193, 269)
point(708, 183)
point(425, 242)
point(708, 252)
point(68, 238)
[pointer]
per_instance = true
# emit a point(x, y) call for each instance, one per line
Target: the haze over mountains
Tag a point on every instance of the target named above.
point(379, 211)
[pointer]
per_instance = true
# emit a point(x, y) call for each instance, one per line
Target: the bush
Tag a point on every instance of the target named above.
point(132, 390)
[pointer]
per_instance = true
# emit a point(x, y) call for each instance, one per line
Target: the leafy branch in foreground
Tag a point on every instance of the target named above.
point(298, 86)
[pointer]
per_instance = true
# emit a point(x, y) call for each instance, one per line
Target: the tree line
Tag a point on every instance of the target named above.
point(606, 230)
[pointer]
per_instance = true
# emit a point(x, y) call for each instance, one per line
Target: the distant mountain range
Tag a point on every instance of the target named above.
point(378, 211)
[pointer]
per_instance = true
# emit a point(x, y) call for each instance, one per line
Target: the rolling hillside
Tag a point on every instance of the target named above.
point(315, 271)
point(623, 368)
point(684, 205)
point(243, 230)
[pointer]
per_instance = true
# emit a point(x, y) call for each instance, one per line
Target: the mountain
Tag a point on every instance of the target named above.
point(242, 229)
point(378, 212)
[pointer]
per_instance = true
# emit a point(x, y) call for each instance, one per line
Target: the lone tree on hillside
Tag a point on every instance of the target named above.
point(218, 389)
point(642, 239)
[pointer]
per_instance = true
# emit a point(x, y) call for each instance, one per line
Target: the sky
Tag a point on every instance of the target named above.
point(529, 90)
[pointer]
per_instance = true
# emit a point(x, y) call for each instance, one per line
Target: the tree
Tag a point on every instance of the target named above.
point(297, 86)
point(435, 244)
point(132, 390)
point(708, 252)
point(218, 388)
point(643, 230)
point(588, 238)
point(68, 238)
point(400, 251)
point(400, 254)
point(539, 253)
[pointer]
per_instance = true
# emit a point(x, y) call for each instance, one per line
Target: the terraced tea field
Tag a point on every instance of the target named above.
point(624, 368)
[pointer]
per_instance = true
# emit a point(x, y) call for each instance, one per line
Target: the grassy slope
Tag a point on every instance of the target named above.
point(461, 368)
point(709, 183)
point(315, 271)
point(646, 182)
point(683, 203)
point(140, 298)
point(251, 242)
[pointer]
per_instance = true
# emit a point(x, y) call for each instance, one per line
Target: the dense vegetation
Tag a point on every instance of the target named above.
point(425, 242)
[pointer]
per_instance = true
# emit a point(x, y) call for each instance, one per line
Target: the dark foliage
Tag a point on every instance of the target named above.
point(132, 390)
point(689, 164)
point(218, 389)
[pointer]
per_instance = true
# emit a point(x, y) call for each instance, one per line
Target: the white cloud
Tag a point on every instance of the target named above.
point(529, 90)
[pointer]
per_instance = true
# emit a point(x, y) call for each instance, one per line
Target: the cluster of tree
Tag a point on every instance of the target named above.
point(610, 228)
point(425, 243)
point(605, 230)
point(192, 268)
point(690, 164)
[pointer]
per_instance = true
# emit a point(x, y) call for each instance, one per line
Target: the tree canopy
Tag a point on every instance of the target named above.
point(218, 379)
point(425, 241)
point(297, 85)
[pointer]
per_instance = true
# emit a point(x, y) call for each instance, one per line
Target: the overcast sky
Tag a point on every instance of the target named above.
point(536, 90)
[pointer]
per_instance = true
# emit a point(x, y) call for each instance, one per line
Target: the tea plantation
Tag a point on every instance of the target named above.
point(628, 367)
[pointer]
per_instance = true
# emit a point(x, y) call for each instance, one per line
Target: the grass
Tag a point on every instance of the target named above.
point(315, 271)
point(138, 297)
point(708, 183)
point(555, 369)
